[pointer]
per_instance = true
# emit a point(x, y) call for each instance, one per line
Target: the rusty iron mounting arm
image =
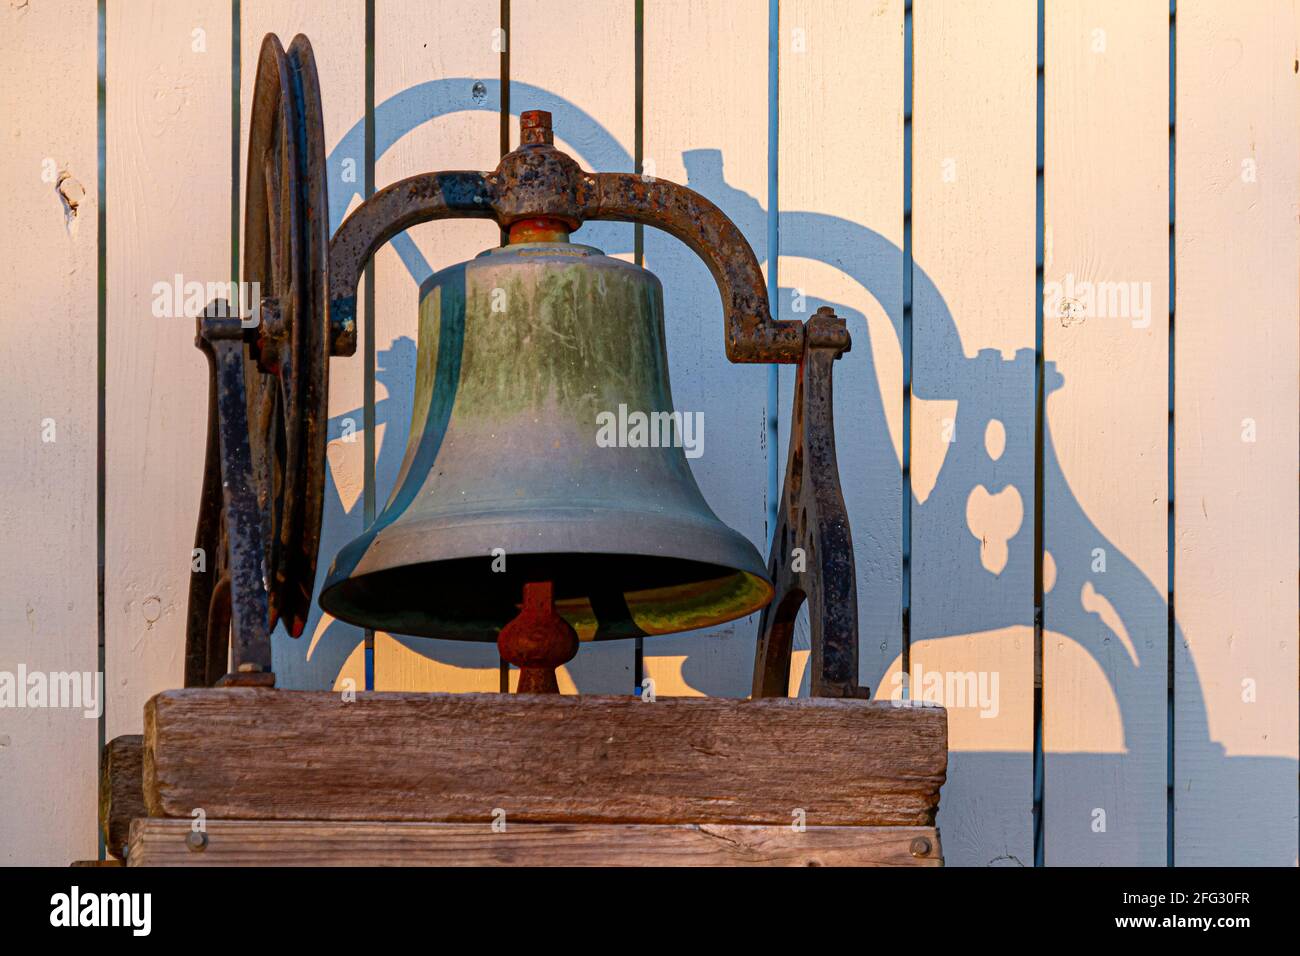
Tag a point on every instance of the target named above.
point(812, 550)
point(752, 334)
point(539, 181)
point(427, 197)
point(229, 596)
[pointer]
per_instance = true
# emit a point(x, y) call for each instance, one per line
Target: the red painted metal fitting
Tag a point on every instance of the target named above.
point(535, 128)
point(539, 229)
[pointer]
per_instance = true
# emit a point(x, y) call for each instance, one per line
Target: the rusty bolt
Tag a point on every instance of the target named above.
point(920, 847)
point(535, 127)
point(197, 841)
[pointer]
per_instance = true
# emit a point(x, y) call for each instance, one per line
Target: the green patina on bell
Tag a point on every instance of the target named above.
point(543, 447)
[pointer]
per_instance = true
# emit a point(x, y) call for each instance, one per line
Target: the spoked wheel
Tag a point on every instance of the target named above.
point(286, 253)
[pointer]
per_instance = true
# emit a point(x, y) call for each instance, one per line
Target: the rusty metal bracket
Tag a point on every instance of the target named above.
point(207, 624)
point(228, 607)
point(539, 181)
point(812, 550)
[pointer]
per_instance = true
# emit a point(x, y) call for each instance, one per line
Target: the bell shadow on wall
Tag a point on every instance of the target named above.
point(1084, 606)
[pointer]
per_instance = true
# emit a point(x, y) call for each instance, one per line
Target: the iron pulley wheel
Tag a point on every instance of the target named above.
point(286, 255)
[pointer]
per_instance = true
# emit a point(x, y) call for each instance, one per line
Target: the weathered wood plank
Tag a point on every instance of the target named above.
point(841, 240)
point(167, 167)
point(706, 125)
point(1106, 351)
point(437, 106)
point(121, 790)
point(973, 555)
point(1236, 369)
point(48, 613)
point(455, 757)
point(311, 843)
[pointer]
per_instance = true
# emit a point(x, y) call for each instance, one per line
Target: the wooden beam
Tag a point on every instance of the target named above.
point(437, 106)
point(1236, 362)
point(314, 843)
point(167, 89)
point(48, 384)
point(972, 408)
point(841, 122)
point(121, 790)
point(283, 755)
point(705, 104)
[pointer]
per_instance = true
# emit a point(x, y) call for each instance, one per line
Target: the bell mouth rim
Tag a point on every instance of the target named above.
point(684, 571)
point(577, 610)
point(585, 532)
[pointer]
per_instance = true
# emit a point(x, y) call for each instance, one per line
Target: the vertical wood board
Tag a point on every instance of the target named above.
point(706, 126)
point(48, 360)
point(973, 366)
point(1237, 370)
point(437, 106)
point(841, 237)
point(1106, 350)
point(168, 143)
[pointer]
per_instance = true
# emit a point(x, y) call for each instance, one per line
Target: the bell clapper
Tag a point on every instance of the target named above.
point(538, 640)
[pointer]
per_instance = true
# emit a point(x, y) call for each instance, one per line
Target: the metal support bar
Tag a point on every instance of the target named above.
point(222, 341)
point(201, 650)
point(812, 550)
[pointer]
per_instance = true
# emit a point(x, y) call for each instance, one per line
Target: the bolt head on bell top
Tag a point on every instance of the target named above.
point(509, 476)
point(535, 128)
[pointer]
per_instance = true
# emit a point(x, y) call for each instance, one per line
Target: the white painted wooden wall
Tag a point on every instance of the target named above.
point(914, 165)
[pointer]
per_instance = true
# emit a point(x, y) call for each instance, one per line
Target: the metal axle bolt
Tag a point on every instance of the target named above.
point(535, 128)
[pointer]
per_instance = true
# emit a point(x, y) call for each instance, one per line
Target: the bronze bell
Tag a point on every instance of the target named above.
point(546, 494)
point(544, 447)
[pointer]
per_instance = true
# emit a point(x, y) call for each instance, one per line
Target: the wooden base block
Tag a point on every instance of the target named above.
point(121, 790)
point(156, 842)
point(245, 754)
